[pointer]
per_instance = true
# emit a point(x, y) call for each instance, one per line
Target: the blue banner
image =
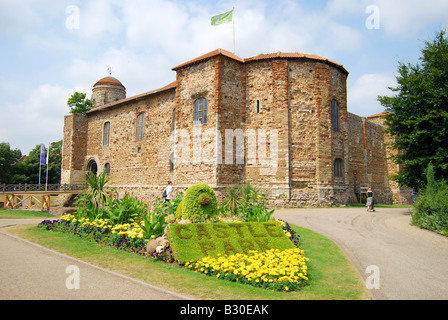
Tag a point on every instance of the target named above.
point(42, 155)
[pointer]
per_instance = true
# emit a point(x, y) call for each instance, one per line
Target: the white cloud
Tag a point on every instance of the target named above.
point(100, 19)
point(362, 95)
point(143, 40)
point(38, 119)
point(406, 18)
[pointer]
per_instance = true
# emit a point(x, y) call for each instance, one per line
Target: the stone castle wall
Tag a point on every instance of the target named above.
point(274, 113)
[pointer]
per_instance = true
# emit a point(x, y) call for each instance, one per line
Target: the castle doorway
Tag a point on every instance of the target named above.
point(92, 166)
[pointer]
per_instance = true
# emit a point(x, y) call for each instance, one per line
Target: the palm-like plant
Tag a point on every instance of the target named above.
point(232, 201)
point(97, 191)
point(90, 203)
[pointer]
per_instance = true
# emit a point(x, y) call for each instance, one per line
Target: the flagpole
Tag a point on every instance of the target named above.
point(48, 157)
point(40, 162)
point(233, 19)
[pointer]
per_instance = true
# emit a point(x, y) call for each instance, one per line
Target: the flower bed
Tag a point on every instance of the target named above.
point(255, 252)
point(273, 269)
point(128, 236)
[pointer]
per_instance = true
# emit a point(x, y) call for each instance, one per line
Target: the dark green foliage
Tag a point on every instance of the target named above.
point(153, 225)
point(431, 208)
point(418, 114)
point(17, 169)
point(247, 203)
point(9, 164)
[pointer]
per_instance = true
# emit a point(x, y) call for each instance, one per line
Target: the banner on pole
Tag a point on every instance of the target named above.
point(222, 18)
point(42, 155)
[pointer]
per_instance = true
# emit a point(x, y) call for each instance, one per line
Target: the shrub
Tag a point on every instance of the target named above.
point(90, 203)
point(247, 203)
point(192, 209)
point(124, 210)
point(179, 211)
point(431, 208)
point(153, 225)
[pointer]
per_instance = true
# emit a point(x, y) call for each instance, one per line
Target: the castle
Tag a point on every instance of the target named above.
point(277, 120)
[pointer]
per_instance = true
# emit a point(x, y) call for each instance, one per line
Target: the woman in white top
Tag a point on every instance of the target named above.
point(169, 190)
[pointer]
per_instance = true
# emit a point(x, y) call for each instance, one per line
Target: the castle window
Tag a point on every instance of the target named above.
point(106, 133)
point(107, 168)
point(200, 111)
point(140, 125)
point(174, 120)
point(172, 161)
point(335, 115)
point(258, 109)
point(338, 167)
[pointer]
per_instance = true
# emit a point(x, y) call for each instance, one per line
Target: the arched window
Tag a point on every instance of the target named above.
point(335, 115)
point(106, 133)
point(174, 120)
point(107, 168)
point(139, 127)
point(200, 111)
point(172, 161)
point(338, 167)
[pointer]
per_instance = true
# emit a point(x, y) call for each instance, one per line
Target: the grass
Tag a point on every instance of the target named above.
point(332, 277)
point(23, 214)
point(363, 205)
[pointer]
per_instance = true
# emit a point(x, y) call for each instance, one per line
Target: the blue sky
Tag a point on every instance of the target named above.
point(50, 49)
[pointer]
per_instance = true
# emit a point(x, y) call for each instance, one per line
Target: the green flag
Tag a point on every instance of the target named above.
point(222, 18)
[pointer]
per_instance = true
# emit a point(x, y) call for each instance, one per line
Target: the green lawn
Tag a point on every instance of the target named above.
point(332, 277)
point(23, 214)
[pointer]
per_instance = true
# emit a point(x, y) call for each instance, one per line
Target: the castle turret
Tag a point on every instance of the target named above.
point(107, 90)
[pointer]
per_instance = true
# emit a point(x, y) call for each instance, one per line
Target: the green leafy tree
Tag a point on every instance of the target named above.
point(417, 115)
point(10, 164)
point(55, 162)
point(78, 103)
point(17, 169)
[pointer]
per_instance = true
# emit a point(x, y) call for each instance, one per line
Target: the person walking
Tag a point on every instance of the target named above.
point(167, 194)
point(370, 200)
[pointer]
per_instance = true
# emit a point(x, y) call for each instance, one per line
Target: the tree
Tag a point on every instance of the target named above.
point(9, 163)
point(78, 103)
point(417, 115)
point(17, 169)
point(31, 165)
point(55, 162)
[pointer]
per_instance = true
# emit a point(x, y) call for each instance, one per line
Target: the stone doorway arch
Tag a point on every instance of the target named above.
point(92, 166)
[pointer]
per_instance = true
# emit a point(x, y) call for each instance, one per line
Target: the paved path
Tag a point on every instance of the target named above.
point(412, 263)
point(29, 271)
